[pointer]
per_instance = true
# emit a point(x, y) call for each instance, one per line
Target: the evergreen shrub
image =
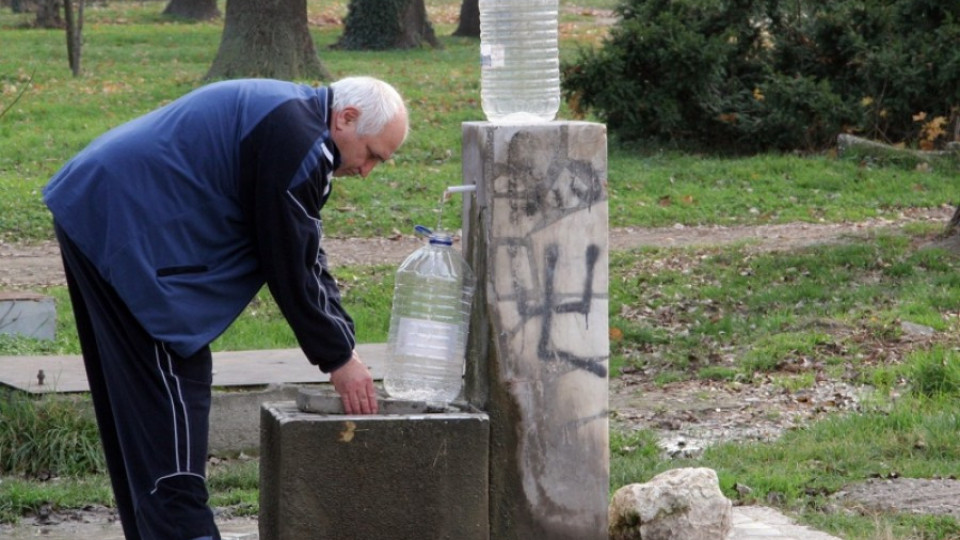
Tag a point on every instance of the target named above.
point(756, 75)
point(371, 24)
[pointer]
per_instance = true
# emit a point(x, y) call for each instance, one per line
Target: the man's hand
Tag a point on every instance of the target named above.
point(355, 385)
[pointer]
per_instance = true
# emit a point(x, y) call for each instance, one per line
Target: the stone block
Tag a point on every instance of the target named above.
point(328, 402)
point(27, 314)
point(383, 476)
point(235, 415)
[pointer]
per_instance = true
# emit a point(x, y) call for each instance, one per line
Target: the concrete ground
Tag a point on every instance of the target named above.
point(749, 523)
point(258, 368)
point(762, 523)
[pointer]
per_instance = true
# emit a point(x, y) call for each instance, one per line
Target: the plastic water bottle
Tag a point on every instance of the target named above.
point(429, 323)
point(520, 66)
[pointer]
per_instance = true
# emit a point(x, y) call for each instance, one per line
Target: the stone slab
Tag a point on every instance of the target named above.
point(8, 296)
point(27, 314)
point(376, 477)
point(230, 369)
point(326, 401)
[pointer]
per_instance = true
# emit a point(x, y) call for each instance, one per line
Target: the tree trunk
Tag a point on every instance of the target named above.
point(953, 225)
point(949, 238)
point(386, 24)
point(194, 10)
point(74, 16)
point(267, 38)
point(469, 19)
point(48, 14)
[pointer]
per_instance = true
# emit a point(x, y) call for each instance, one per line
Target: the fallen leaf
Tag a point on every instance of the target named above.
point(350, 428)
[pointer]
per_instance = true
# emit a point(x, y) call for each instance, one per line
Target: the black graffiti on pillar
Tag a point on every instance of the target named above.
point(565, 184)
point(582, 306)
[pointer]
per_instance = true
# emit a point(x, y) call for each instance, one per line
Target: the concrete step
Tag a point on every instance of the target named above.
point(27, 314)
point(231, 369)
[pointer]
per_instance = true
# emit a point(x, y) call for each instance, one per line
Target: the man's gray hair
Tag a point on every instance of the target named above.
point(378, 102)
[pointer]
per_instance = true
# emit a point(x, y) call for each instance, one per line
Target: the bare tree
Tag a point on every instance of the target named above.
point(195, 10)
point(469, 25)
point(267, 38)
point(73, 12)
point(953, 225)
point(377, 25)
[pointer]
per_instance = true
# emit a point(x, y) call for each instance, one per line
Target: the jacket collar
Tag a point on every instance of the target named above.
point(325, 95)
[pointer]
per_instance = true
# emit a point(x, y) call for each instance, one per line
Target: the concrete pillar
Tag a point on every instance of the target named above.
point(536, 235)
point(327, 475)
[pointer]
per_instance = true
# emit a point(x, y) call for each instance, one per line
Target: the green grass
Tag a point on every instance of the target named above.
point(935, 373)
point(663, 189)
point(367, 295)
point(772, 309)
point(235, 484)
point(50, 435)
point(19, 496)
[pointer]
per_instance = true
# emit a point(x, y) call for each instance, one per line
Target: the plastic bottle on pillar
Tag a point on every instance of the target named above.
point(519, 59)
point(429, 323)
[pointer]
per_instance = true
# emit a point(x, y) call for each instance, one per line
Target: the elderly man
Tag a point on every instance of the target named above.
point(168, 226)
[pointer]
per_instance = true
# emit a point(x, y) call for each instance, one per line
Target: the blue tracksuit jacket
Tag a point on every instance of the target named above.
point(188, 210)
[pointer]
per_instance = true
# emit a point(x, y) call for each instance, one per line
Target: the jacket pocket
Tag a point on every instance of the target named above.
point(185, 269)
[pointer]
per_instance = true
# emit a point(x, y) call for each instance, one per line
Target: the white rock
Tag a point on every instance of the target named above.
point(677, 504)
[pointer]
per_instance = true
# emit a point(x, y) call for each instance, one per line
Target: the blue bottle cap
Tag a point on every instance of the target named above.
point(436, 238)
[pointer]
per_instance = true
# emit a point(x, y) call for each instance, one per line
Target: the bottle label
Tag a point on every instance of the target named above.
point(426, 339)
point(491, 55)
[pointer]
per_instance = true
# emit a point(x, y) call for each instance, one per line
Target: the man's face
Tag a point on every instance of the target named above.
point(360, 154)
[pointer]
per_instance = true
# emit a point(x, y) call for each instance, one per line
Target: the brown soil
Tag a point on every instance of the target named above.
point(687, 415)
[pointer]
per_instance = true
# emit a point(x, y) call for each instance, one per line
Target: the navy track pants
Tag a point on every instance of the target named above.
point(152, 408)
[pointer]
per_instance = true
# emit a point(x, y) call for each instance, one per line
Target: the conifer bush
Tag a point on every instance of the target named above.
point(756, 75)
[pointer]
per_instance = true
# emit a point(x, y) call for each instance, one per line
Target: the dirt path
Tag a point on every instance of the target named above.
point(23, 266)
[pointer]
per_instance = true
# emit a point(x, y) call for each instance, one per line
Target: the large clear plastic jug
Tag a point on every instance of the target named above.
point(520, 65)
point(429, 323)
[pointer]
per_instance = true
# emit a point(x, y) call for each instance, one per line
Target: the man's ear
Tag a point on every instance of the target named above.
point(347, 117)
